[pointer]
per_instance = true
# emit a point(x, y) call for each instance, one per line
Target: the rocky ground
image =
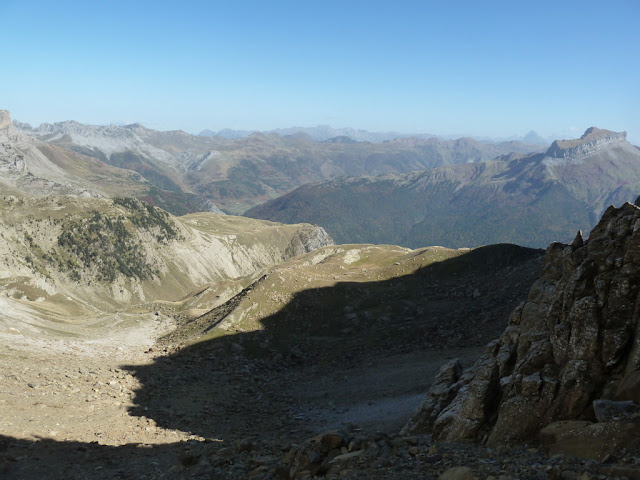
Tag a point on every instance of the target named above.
point(111, 409)
point(125, 401)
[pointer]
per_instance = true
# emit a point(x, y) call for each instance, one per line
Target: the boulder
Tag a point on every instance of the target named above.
point(440, 395)
point(609, 410)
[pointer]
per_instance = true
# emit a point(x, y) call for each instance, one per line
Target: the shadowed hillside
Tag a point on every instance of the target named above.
point(327, 358)
point(281, 368)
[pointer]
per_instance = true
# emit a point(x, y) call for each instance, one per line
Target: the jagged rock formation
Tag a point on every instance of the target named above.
point(24, 168)
point(5, 122)
point(103, 140)
point(574, 342)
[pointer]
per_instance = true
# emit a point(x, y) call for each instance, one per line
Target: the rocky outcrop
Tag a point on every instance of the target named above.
point(5, 122)
point(308, 239)
point(12, 162)
point(591, 141)
point(574, 342)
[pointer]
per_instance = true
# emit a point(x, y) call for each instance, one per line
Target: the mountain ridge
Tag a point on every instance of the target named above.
point(525, 199)
point(33, 167)
point(240, 173)
point(322, 133)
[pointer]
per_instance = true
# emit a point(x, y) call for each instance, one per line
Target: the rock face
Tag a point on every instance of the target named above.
point(5, 122)
point(590, 142)
point(574, 341)
point(307, 240)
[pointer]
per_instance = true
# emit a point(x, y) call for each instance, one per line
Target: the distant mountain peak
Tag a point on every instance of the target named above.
point(534, 139)
point(135, 126)
point(340, 139)
point(592, 140)
point(598, 132)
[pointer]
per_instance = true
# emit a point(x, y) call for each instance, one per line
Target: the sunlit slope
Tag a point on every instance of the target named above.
point(350, 296)
point(67, 258)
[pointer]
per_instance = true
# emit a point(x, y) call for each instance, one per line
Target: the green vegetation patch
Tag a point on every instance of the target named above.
point(148, 217)
point(102, 243)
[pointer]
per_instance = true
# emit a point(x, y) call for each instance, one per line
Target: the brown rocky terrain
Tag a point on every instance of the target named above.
point(240, 399)
point(312, 366)
point(566, 369)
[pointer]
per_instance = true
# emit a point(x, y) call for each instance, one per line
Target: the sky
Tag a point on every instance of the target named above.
point(479, 68)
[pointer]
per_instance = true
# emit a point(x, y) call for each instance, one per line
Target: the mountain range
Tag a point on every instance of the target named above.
point(34, 167)
point(408, 191)
point(322, 133)
point(528, 199)
point(319, 133)
point(235, 174)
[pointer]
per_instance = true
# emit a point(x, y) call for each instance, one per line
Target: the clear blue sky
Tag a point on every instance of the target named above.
point(483, 68)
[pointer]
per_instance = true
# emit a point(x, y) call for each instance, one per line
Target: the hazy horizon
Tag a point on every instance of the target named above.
point(462, 68)
point(569, 134)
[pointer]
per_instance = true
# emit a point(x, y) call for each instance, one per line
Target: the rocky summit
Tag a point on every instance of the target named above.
point(590, 142)
point(566, 371)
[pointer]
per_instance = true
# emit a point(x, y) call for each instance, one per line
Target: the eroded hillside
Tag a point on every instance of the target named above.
point(70, 259)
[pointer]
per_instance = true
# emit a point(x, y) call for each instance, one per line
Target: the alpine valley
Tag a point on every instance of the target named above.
point(144, 333)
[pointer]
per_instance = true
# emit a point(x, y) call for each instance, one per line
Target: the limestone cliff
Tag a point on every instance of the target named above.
point(591, 141)
point(573, 342)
